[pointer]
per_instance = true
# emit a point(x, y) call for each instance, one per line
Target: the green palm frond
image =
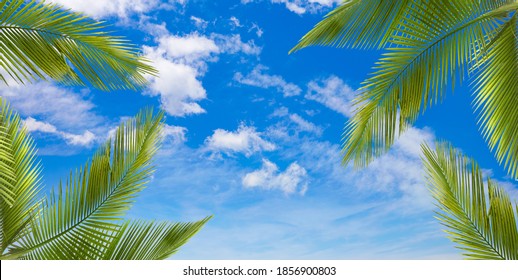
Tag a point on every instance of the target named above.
point(356, 23)
point(140, 240)
point(496, 90)
point(484, 225)
point(19, 177)
point(434, 45)
point(79, 220)
point(40, 41)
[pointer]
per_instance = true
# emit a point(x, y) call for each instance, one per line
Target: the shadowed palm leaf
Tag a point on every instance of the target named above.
point(428, 45)
point(39, 41)
point(482, 229)
point(82, 220)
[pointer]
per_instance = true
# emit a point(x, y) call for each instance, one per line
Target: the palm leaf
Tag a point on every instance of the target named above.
point(496, 91)
point(79, 220)
point(139, 240)
point(356, 23)
point(434, 45)
point(40, 41)
point(457, 185)
point(19, 177)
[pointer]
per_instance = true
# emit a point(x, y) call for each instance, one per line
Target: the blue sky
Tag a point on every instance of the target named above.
point(253, 134)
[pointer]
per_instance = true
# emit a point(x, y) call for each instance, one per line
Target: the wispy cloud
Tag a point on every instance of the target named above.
point(258, 78)
point(333, 93)
point(302, 6)
point(85, 139)
point(199, 22)
point(62, 107)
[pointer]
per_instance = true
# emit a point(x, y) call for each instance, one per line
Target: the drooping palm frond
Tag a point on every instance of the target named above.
point(80, 219)
point(356, 23)
point(434, 45)
point(40, 40)
point(457, 185)
point(139, 240)
point(496, 89)
point(19, 177)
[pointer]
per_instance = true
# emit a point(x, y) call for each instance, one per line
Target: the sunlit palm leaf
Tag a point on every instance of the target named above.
point(80, 219)
point(434, 45)
point(457, 185)
point(357, 23)
point(139, 240)
point(40, 40)
point(496, 91)
point(20, 177)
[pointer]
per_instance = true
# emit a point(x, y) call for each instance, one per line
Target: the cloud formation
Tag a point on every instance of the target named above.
point(245, 140)
point(258, 78)
point(85, 139)
point(303, 6)
point(119, 8)
point(269, 177)
point(62, 107)
point(333, 93)
point(182, 62)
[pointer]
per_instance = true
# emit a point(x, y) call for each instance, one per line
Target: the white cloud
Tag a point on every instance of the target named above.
point(182, 62)
point(333, 93)
point(174, 134)
point(191, 47)
point(59, 106)
point(258, 30)
point(199, 22)
point(235, 21)
point(293, 179)
point(303, 6)
point(245, 140)
point(305, 125)
point(258, 78)
point(119, 8)
point(85, 139)
point(233, 44)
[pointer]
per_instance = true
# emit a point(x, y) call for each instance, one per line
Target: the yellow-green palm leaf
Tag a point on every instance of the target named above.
point(433, 46)
point(40, 41)
point(480, 218)
point(79, 220)
point(19, 177)
point(140, 240)
point(356, 23)
point(496, 88)
point(428, 44)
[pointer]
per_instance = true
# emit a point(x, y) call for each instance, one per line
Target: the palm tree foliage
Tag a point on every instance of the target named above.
point(83, 218)
point(428, 44)
point(479, 216)
point(41, 41)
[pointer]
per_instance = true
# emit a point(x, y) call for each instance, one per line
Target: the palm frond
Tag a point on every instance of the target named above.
point(496, 91)
point(40, 41)
point(79, 220)
point(357, 23)
point(19, 177)
point(457, 185)
point(140, 240)
point(434, 45)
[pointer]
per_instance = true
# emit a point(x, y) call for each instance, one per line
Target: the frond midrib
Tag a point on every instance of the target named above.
point(434, 43)
point(62, 35)
point(95, 209)
point(468, 217)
